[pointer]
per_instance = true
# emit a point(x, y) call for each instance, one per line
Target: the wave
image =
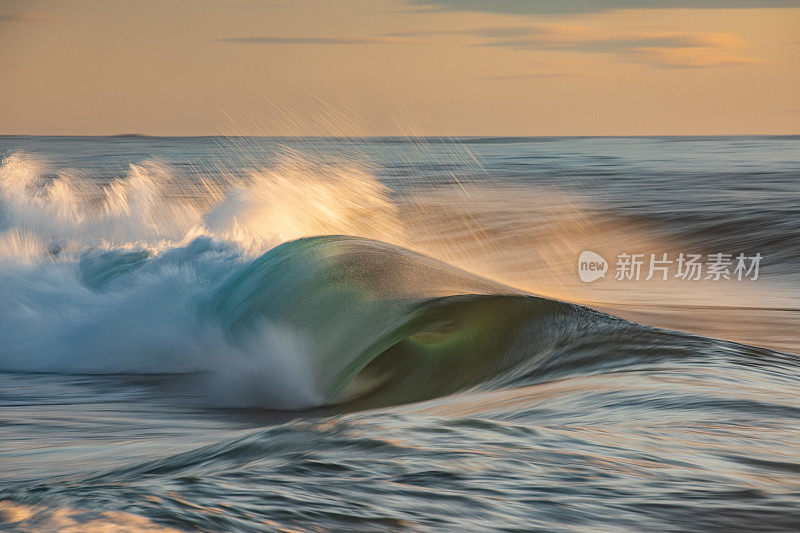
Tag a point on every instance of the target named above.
point(316, 321)
point(276, 290)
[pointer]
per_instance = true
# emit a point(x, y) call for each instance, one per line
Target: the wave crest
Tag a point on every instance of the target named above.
point(156, 207)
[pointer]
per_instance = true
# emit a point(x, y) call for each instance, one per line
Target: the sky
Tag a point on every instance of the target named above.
point(400, 67)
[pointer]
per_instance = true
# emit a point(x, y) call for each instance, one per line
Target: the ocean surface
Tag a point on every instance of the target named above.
point(393, 334)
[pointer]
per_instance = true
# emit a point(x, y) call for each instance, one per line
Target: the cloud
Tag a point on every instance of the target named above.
point(690, 58)
point(259, 5)
point(669, 50)
point(662, 50)
point(524, 77)
point(302, 40)
point(12, 17)
point(499, 31)
point(619, 44)
point(490, 32)
point(678, 50)
point(567, 7)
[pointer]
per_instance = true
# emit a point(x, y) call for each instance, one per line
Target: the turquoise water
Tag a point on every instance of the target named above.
point(390, 335)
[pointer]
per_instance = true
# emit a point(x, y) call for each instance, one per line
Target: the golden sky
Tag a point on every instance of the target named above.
point(395, 67)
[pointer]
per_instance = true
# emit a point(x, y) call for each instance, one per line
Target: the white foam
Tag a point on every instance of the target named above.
point(73, 299)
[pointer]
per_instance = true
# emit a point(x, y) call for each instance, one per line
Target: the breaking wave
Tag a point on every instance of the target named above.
point(276, 289)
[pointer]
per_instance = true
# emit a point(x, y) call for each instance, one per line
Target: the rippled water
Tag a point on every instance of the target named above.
point(390, 334)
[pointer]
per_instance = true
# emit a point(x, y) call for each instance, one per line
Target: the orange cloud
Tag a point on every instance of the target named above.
point(571, 7)
point(674, 50)
point(13, 17)
point(697, 57)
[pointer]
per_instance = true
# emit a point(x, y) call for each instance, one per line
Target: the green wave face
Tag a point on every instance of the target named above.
point(382, 325)
point(449, 344)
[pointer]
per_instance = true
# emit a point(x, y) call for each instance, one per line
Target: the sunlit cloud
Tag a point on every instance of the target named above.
point(306, 40)
point(661, 50)
point(690, 57)
point(585, 43)
point(259, 5)
point(497, 32)
point(525, 77)
point(15, 17)
point(673, 50)
point(565, 7)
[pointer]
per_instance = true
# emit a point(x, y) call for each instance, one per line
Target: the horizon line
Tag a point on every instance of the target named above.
point(428, 136)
